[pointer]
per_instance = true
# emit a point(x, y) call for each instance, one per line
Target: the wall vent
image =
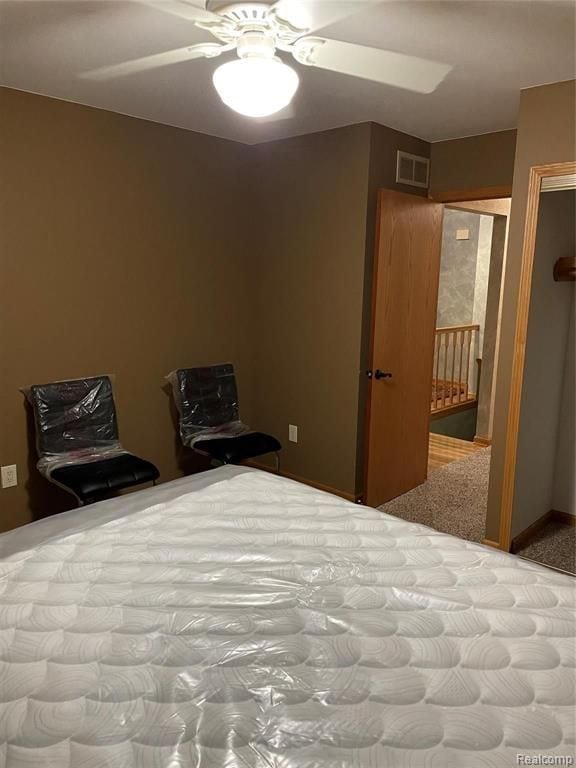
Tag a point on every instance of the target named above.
point(412, 170)
point(558, 183)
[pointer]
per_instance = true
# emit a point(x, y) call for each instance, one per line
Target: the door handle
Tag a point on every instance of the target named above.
point(378, 374)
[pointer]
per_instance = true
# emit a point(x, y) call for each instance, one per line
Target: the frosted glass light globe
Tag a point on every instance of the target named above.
point(255, 86)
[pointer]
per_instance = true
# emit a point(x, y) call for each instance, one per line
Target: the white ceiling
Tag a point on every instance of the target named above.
point(496, 48)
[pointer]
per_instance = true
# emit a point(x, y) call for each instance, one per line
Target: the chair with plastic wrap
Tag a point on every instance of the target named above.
point(207, 403)
point(77, 440)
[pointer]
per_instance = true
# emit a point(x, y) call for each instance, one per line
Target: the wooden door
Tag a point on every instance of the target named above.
point(405, 295)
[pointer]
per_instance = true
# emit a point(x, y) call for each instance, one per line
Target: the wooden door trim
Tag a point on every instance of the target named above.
point(537, 173)
point(452, 196)
point(472, 193)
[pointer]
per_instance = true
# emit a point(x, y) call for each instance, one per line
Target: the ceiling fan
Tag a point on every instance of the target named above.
point(258, 83)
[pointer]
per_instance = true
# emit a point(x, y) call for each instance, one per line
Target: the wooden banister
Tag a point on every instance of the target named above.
point(451, 328)
point(452, 378)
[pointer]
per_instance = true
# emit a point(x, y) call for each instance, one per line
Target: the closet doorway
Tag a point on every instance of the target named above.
point(538, 515)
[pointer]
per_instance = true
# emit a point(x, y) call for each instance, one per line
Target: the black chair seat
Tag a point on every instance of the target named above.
point(96, 479)
point(231, 450)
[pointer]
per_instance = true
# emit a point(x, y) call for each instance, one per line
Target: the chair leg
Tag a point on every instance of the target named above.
point(277, 460)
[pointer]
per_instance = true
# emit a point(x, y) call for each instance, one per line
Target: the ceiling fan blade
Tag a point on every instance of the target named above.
point(317, 14)
point(387, 67)
point(132, 67)
point(185, 9)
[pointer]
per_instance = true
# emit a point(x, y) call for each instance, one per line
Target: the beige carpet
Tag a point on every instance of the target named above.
point(453, 500)
point(555, 545)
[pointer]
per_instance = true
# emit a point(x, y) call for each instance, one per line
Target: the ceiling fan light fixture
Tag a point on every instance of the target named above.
point(256, 86)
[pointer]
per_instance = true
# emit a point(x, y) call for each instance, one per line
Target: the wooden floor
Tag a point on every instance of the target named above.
point(444, 449)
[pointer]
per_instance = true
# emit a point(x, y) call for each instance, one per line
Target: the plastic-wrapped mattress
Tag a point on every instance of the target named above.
point(240, 620)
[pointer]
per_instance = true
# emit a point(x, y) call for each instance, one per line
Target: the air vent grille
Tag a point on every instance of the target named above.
point(412, 170)
point(558, 183)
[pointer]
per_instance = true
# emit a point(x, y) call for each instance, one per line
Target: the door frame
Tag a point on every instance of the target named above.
point(451, 196)
point(537, 173)
point(472, 194)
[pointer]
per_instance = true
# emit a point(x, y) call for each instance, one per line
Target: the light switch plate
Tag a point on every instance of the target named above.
point(292, 433)
point(9, 476)
point(462, 234)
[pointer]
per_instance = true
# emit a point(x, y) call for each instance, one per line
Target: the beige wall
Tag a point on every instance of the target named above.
point(317, 209)
point(546, 345)
point(546, 134)
point(309, 240)
point(133, 248)
point(119, 254)
point(317, 197)
point(473, 162)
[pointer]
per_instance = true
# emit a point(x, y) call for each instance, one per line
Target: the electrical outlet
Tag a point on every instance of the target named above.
point(9, 476)
point(292, 433)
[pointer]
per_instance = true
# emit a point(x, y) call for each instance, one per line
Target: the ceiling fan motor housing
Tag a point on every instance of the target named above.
point(255, 28)
point(256, 44)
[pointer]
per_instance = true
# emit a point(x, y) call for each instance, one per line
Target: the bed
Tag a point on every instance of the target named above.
point(236, 619)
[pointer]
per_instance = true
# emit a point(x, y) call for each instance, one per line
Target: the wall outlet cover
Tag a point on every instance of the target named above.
point(292, 433)
point(9, 476)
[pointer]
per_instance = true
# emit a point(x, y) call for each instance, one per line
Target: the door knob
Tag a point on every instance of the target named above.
point(378, 374)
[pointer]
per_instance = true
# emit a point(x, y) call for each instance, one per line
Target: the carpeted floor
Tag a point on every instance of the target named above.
point(554, 545)
point(453, 500)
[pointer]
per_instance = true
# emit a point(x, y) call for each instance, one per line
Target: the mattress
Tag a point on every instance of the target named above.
point(240, 620)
